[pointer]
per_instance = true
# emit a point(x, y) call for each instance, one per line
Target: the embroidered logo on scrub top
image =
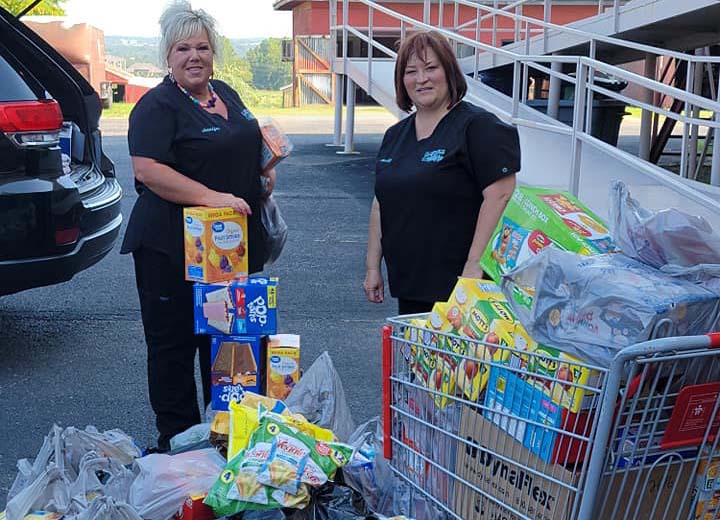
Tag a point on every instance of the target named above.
point(435, 156)
point(247, 114)
point(210, 129)
point(386, 160)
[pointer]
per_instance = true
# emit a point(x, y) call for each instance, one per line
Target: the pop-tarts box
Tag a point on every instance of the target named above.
point(236, 368)
point(238, 307)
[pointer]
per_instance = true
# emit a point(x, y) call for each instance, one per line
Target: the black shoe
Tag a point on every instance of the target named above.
point(154, 449)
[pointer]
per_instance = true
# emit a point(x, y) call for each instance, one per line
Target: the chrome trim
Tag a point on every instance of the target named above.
point(108, 193)
point(86, 177)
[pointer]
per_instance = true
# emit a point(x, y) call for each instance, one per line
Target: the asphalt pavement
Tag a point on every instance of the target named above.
point(74, 353)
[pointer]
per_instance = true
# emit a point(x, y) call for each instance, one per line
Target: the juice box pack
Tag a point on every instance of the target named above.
point(239, 307)
point(536, 218)
point(478, 310)
point(283, 365)
point(236, 368)
point(215, 244)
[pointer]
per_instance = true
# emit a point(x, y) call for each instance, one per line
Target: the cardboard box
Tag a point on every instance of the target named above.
point(275, 147)
point(238, 307)
point(236, 368)
point(283, 365)
point(540, 496)
point(536, 218)
point(216, 241)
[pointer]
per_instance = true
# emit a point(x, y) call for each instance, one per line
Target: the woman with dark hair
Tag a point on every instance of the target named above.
point(443, 178)
point(193, 143)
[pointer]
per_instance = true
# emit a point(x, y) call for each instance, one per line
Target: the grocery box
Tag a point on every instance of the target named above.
point(215, 244)
point(275, 147)
point(236, 367)
point(498, 465)
point(238, 307)
point(536, 218)
point(283, 365)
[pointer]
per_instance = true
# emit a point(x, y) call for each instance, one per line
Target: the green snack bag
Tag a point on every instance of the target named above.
point(237, 490)
point(536, 218)
point(294, 457)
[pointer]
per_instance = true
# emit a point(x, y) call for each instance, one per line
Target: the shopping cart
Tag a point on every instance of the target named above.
point(486, 431)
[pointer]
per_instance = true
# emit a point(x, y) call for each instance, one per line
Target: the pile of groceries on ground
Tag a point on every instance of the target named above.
point(275, 445)
point(516, 364)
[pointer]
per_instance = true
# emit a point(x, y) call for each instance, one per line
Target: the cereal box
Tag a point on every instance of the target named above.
point(238, 307)
point(283, 365)
point(536, 218)
point(275, 147)
point(215, 244)
point(236, 368)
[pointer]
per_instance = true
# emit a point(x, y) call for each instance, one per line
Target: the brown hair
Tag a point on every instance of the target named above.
point(417, 44)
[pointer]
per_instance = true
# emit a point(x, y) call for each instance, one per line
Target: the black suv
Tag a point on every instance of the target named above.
point(59, 212)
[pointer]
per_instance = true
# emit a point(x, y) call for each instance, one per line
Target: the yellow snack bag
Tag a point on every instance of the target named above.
point(253, 400)
point(243, 422)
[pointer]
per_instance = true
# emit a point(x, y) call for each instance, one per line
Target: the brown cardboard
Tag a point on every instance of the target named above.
point(541, 498)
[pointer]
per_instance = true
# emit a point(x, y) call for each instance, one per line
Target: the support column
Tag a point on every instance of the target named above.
point(554, 94)
point(646, 117)
point(695, 129)
point(715, 167)
point(338, 95)
point(349, 117)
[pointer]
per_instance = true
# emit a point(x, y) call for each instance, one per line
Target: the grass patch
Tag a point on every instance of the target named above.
point(118, 111)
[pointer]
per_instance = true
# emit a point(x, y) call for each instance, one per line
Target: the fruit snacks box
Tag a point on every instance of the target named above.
point(238, 307)
point(536, 218)
point(215, 244)
point(283, 365)
point(275, 147)
point(236, 368)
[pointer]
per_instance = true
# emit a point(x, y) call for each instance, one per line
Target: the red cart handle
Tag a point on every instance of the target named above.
point(714, 339)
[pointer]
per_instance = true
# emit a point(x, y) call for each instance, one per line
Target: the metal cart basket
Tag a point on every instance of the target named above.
point(492, 431)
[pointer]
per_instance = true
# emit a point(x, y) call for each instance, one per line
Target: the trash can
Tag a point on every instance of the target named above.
point(607, 115)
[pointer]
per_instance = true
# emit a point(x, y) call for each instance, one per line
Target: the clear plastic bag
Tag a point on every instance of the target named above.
point(193, 435)
point(164, 481)
point(658, 238)
point(275, 228)
point(591, 307)
point(319, 396)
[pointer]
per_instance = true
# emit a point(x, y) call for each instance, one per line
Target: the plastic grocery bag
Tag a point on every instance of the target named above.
point(50, 491)
point(658, 238)
point(164, 481)
point(319, 396)
point(591, 307)
point(275, 228)
point(29, 471)
point(193, 435)
point(100, 476)
point(107, 508)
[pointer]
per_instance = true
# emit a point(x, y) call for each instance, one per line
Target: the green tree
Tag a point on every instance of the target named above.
point(236, 72)
point(48, 7)
point(268, 70)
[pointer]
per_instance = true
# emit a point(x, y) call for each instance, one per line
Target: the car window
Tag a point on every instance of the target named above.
point(13, 86)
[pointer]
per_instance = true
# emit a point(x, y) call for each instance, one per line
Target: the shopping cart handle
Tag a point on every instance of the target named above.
point(714, 339)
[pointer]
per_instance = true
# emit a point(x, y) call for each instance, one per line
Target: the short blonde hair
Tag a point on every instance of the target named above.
point(179, 22)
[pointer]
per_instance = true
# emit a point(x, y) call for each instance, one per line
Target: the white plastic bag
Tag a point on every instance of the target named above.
point(29, 471)
point(593, 306)
point(320, 397)
point(193, 435)
point(107, 508)
point(275, 228)
point(658, 238)
point(50, 491)
point(164, 481)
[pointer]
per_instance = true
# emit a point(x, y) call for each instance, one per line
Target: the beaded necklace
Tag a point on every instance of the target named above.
point(211, 102)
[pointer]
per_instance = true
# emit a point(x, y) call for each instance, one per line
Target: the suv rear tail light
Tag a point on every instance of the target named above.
point(66, 236)
point(31, 123)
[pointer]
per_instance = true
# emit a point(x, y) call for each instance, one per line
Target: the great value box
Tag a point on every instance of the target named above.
point(237, 367)
point(215, 244)
point(239, 307)
point(536, 218)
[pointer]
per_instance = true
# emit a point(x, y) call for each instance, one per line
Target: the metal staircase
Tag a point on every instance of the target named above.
point(554, 154)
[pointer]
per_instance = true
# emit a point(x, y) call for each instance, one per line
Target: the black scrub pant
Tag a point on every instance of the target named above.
point(166, 303)
point(413, 306)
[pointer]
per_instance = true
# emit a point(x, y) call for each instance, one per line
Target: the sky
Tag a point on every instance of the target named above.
point(236, 18)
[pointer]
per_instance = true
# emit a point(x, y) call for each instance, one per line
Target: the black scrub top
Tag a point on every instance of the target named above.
point(224, 155)
point(430, 192)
